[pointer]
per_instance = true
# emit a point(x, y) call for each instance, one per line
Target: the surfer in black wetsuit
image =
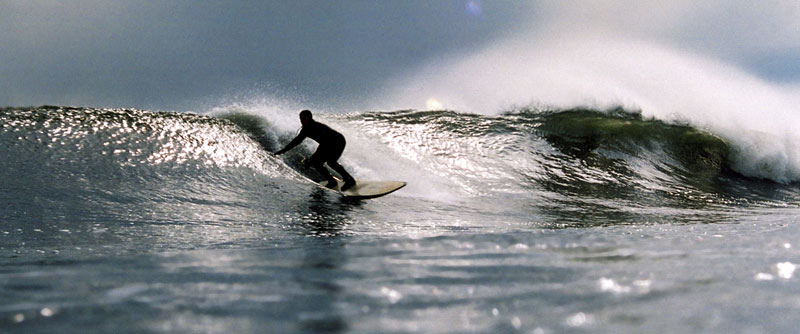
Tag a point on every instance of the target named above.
point(331, 146)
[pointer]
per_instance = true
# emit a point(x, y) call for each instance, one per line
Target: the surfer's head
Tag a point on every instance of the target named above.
point(305, 117)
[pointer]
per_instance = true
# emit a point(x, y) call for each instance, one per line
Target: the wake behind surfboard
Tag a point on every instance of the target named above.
point(367, 189)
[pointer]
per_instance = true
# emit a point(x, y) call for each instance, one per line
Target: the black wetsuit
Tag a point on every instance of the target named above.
point(331, 146)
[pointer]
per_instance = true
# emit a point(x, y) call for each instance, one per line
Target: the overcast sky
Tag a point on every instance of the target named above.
point(178, 55)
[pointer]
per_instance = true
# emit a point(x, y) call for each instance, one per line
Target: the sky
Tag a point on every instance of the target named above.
point(160, 54)
point(187, 55)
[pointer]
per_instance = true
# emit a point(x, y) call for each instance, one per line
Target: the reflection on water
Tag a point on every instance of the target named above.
point(327, 213)
point(319, 274)
point(324, 259)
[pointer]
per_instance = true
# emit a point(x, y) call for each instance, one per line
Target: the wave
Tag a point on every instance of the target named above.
point(79, 162)
point(520, 159)
point(538, 155)
point(575, 153)
point(127, 139)
point(599, 71)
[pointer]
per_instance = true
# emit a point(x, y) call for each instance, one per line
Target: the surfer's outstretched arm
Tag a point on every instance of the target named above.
point(296, 141)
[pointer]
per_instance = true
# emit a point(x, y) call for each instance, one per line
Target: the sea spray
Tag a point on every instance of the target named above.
point(673, 85)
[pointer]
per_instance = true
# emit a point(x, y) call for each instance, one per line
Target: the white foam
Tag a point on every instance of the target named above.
point(367, 156)
point(760, 118)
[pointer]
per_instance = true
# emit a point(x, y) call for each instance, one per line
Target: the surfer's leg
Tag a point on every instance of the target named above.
point(318, 161)
point(336, 152)
point(349, 181)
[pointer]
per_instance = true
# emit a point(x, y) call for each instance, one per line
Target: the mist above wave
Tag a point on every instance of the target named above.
point(566, 71)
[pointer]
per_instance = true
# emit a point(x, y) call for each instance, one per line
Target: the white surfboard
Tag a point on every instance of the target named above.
point(367, 189)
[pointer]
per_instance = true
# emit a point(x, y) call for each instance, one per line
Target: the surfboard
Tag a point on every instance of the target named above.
point(366, 189)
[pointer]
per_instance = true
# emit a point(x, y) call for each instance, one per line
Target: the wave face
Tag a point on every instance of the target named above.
point(557, 158)
point(526, 163)
point(84, 165)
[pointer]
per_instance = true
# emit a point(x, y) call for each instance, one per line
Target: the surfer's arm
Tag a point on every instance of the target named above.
point(296, 141)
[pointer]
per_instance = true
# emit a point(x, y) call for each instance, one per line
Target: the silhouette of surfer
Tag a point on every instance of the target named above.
point(331, 146)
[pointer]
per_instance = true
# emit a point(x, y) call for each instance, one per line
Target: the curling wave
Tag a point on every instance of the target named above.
point(518, 160)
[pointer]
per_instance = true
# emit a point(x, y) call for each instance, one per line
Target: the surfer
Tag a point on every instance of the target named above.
point(331, 146)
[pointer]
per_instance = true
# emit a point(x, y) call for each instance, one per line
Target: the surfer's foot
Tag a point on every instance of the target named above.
point(331, 184)
point(348, 184)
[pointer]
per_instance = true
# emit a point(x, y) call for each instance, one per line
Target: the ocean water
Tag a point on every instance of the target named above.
point(535, 220)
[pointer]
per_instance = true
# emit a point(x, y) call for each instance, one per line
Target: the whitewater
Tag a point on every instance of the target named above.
point(576, 184)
